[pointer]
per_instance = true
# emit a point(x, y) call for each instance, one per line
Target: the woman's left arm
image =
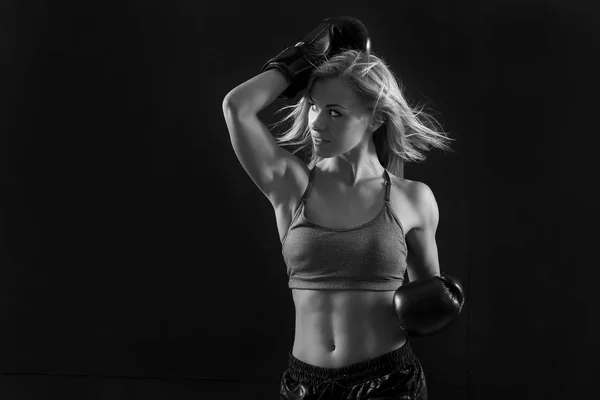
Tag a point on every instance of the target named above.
point(430, 301)
point(422, 256)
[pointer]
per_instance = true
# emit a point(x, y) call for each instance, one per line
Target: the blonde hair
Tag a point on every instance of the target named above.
point(406, 134)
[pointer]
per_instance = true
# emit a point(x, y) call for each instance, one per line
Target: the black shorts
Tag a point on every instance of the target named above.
point(395, 375)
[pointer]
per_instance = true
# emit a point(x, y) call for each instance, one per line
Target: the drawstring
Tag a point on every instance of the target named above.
point(331, 382)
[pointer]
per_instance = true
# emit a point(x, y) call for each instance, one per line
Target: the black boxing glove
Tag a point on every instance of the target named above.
point(330, 37)
point(428, 306)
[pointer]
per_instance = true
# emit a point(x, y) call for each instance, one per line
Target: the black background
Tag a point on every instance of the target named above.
point(139, 260)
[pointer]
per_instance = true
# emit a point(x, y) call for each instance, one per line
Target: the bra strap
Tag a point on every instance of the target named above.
point(388, 184)
point(311, 178)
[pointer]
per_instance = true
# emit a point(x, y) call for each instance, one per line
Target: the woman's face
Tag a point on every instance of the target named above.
point(338, 116)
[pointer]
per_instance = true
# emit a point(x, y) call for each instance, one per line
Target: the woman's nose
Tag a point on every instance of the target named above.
point(317, 124)
point(317, 128)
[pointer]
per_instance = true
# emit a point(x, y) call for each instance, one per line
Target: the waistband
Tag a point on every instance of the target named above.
point(399, 358)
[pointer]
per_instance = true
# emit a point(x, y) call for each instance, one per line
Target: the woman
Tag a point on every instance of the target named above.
point(350, 226)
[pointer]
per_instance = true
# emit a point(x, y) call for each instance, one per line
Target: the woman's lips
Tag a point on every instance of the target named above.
point(319, 141)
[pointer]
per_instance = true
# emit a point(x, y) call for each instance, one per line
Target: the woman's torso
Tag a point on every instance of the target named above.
point(335, 328)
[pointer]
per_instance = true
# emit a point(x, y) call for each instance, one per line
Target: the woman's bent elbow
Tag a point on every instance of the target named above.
point(232, 105)
point(228, 103)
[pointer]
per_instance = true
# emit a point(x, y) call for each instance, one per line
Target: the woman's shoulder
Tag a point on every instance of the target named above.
point(412, 188)
point(418, 194)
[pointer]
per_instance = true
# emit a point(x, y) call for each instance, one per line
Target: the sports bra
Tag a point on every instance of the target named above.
point(371, 256)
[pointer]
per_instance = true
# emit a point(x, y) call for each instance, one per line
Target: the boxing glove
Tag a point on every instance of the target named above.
point(330, 37)
point(428, 306)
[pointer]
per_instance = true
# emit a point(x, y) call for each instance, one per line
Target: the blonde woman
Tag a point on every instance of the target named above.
point(349, 224)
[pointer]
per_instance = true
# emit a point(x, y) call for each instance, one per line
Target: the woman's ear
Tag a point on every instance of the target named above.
point(375, 124)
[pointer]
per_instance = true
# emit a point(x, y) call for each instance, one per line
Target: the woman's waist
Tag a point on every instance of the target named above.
point(350, 327)
point(334, 345)
point(339, 328)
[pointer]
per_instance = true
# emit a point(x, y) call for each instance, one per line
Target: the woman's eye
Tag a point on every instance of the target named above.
point(332, 112)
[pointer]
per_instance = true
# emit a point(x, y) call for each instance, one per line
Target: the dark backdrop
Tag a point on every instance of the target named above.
point(139, 260)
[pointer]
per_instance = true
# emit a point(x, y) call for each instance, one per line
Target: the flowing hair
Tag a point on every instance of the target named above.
point(406, 133)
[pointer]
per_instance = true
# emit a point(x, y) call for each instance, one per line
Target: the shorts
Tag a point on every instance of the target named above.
point(397, 375)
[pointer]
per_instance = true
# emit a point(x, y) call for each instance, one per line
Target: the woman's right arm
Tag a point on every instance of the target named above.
point(286, 74)
point(262, 159)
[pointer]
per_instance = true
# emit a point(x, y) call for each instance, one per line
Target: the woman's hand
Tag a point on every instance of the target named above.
point(328, 38)
point(428, 306)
